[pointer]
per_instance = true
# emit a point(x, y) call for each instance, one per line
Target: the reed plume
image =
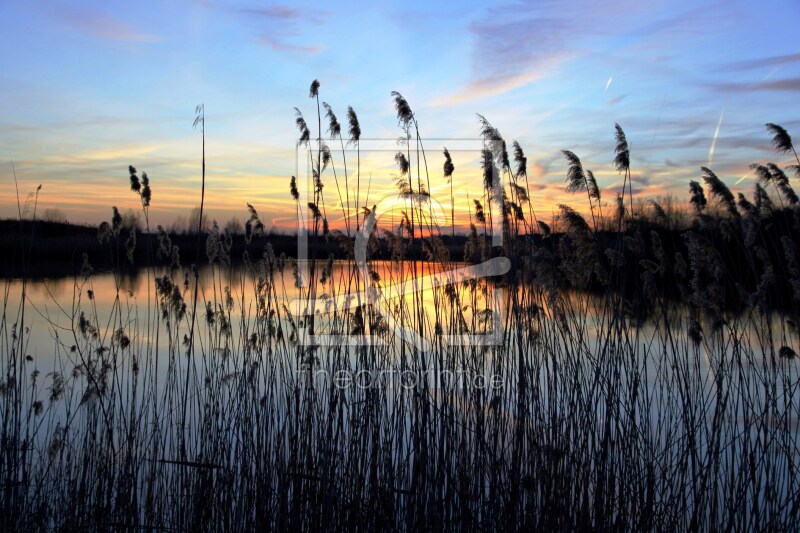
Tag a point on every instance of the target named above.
point(313, 91)
point(300, 122)
point(698, 197)
point(447, 170)
point(579, 180)
point(622, 161)
point(781, 181)
point(334, 128)
point(762, 200)
point(781, 140)
point(354, 128)
point(448, 167)
point(576, 178)
point(720, 191)
point(404, 114)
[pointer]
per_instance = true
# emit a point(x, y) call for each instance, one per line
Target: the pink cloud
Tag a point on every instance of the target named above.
point(106, 27)
point(281, 46)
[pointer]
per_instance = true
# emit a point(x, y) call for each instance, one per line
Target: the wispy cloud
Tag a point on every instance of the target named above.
point(280, 46)
point(273, 12)
point(501, 83)
point(515, 45)
point(278, 24)
point(103, 26)
point(787, 84)
point(764, 62)
point(524, 42)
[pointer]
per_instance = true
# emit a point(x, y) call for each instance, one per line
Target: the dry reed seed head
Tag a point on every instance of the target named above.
point(135, 185)
point(622, 160)
point(251, 211)
point(576, 224)
point(480, 217)
point(719, 190)
point(404, 114)
point(698, 197)
point(781, 141)
point(313, 91)
point(200, 116)
point(210, 314)
point(781, 180)
point(787, 353)
point(660, 214)
point(325, 153)
point(521, 193)
point(315, 210)
point(300, 122)
point(505, 164)
point(520, 160)
point(146, 193)
point(334, 128)
point(164, 243)
point(762, 173)
point(87, 329)
point(489, 170)
point(403, 187)
point(103, 232)
point(448, 167)
point(121, 338)
point(489, 133)
point(517, 210)
point(318, 185)
point(402, 163)
point(761, 199)
point(163, 285)
point(576, 178)
point(544, 228)
point(354, 127)
point(116, 221)
point(591, 183)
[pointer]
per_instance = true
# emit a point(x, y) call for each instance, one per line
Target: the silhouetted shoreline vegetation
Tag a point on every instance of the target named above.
point(58, 248)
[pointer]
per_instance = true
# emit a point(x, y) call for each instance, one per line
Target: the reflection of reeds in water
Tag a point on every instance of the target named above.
point(643, 378)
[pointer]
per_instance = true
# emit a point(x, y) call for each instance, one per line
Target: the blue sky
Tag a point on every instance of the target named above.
point(88, 88)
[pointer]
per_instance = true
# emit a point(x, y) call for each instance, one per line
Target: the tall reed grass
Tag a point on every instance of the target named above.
point(645, 378)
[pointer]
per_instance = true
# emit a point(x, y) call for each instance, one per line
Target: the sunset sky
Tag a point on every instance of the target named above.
point(88, 88)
